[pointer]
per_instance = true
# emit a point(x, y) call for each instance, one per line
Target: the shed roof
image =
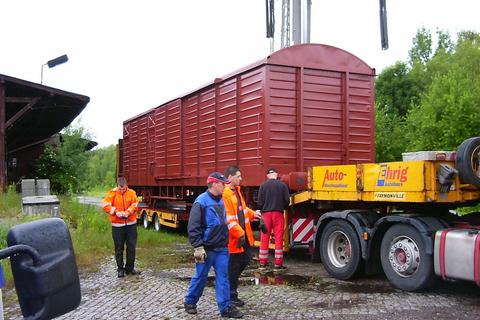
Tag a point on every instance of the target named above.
point(34, 112)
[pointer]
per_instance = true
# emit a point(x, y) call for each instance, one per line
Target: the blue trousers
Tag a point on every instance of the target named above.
point(219, 261)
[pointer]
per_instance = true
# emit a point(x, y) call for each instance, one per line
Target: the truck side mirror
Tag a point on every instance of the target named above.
point(44, 268)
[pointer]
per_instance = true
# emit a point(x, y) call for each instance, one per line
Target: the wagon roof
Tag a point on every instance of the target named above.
point(315, 56)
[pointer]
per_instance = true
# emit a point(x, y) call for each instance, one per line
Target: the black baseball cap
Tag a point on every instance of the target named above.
point(271, 170)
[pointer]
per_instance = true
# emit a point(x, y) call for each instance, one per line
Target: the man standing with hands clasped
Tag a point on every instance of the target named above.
point(120, 204)
point(273, 199)
point(208, 234)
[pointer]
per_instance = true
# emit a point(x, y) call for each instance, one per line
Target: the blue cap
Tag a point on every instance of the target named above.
point(217, 177)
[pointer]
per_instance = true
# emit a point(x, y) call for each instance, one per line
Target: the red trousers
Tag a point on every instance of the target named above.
point(273, 220)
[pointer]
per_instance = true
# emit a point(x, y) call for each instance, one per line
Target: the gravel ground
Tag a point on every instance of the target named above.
point(304, 291)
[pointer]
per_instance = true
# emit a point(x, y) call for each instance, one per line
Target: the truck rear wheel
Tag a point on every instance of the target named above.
point(145, 222)
point(156, 223)
point(468, 161)
point(340, 249)
point(404, 260)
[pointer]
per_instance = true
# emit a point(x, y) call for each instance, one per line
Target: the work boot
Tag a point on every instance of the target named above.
point(121, 273)
point(133, 272)
point(190, 308)
point(236, 302)
point(231, 312)
point(279, 268)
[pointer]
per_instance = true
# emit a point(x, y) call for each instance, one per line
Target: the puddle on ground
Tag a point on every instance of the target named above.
point(359, 287)
point(270, 278)
point(254, 277)
point(257, 278)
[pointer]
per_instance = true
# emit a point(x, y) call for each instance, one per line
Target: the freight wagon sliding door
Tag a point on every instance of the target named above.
point(135, 151)
point(318, 117)
point(207, 131)
point(174, 139)
point(227, 93)
point(223, 127)
point(168, 142)
point(361, 119)
point(191, 144)
point(250, 125)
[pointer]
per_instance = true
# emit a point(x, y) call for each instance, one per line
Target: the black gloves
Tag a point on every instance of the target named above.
point(241, 242)
point(262, 226)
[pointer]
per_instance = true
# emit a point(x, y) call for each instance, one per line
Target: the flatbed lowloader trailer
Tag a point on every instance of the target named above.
point(397, 216)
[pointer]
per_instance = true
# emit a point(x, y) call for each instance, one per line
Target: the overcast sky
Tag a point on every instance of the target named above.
point(130, 56)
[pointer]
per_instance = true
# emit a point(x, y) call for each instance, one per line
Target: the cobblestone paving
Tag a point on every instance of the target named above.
point(303, 292)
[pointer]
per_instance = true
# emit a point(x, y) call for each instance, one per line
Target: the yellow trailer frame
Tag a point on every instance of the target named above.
point(399, 182)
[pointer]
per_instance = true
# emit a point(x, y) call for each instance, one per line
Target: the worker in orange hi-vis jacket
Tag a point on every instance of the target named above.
point(240, 238)
point(120, 204)
point(273, 199)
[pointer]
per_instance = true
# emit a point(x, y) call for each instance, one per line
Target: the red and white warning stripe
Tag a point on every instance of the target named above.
point(302, 230)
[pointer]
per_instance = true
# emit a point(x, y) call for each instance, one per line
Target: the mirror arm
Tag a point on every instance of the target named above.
point(21, 248)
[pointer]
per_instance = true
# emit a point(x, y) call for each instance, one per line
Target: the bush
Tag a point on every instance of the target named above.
point(10, 203)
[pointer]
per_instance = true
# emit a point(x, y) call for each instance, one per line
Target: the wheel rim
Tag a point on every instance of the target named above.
point(475, 160)
point(157, 223)
point(145, 221)
point(404, 256)
point(339, 249)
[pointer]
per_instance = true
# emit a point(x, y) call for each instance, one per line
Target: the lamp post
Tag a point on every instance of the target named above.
point(52, 63)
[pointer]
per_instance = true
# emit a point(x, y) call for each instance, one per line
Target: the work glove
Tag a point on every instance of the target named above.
point(241, 242)
point(120, 214)
point(112, 211)
point(199, 254)
point(262, 226)
point(258, 215)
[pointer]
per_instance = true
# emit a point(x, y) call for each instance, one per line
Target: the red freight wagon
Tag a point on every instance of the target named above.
point(305, 105)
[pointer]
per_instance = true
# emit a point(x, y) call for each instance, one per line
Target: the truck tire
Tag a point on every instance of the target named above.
point(468, 161)
point(340, 249)
point(145, 222)
point(404, 259)
point(156, 223)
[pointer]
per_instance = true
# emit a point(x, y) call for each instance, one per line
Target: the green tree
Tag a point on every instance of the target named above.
point(445, 42)
point(396, 90)
point(389, 137)
point(395, 93)
point(448, 113)
point(65, 162)
point(431, 102)
point(421, 51)
point(102, 168)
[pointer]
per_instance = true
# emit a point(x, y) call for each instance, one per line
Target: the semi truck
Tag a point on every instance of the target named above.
point(308, 111)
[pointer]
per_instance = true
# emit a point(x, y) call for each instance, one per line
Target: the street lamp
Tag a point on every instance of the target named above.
point(52, 63)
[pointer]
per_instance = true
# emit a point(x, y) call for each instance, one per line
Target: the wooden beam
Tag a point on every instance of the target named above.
point(3, 139)
point(20, 113)
point(18, 99)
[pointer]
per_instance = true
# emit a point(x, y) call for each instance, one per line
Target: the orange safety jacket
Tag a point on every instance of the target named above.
point(115, 202)
point(235, 231)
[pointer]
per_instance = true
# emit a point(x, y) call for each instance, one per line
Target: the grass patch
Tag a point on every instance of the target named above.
point(10, 203)
point(162, 250)
point(463, 211)
point(90, 231)
point(97, 192)
point(91, 234)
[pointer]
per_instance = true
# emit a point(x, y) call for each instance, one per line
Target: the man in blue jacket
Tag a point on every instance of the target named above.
point(208, 234)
